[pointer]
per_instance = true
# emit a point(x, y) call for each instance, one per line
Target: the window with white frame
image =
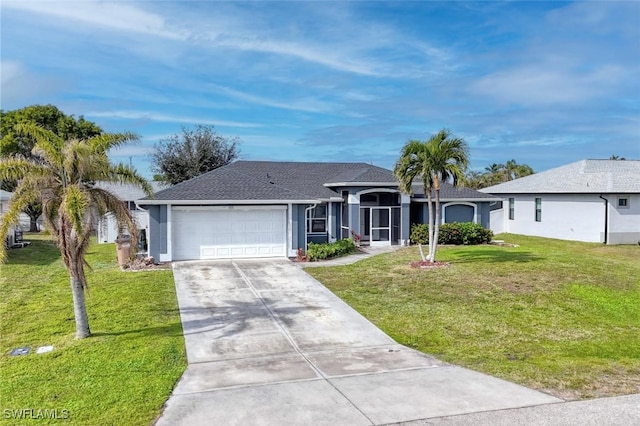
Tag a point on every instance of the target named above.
point(623, 202)
point(512, 208)
point(317, 219)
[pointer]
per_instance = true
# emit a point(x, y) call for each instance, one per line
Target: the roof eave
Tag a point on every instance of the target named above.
point(333, 184)
point(451, 200)
point(226, 202)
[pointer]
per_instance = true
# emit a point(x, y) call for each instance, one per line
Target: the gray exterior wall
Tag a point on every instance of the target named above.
point(484, 210)
point(336, 219)
point(301, 224)
point(157, 230)
point(354, 218)
point(454, 213)
point(405, 214)
point(295, 227)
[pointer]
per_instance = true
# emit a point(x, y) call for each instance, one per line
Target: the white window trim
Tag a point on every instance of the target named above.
point(309, 220)
point(618, 206)
point(444, 210)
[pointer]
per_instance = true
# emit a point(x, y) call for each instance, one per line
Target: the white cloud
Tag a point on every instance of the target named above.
point(19, 85)
point(152, 116)
point(548, 83)
point(305, 104)
point(114, 15)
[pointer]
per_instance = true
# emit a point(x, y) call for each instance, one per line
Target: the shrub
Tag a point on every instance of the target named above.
point(330, 250)
point(466, 233)
point(419, 233)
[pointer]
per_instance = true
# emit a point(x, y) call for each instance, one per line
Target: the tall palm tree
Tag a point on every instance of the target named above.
point(439, 159)
point(415, 164)
point(449, 161)
point(63, 181)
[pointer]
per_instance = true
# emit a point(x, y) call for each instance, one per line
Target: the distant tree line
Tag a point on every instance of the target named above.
point(495, 174)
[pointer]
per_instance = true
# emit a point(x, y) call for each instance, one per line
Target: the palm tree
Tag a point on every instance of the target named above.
point(63, 181)
point(437, 160)
point(513, 170)
point(450, 159)
point(415, 164)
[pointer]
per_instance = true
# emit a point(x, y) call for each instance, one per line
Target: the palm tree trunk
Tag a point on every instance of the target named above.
point(79, 305)
point(431, 221)
point(421, 252)
point(436, 231)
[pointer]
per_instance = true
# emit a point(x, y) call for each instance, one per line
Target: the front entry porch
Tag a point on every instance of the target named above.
point(379, 226)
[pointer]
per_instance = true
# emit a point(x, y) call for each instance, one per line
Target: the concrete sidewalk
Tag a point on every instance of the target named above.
point(616, 411)
point(269, 345)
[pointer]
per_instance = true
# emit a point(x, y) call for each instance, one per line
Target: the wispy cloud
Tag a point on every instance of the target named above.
point(307, 104)
point(548, 83)
point(153, 116)
point(19, 84)
point(118, 16)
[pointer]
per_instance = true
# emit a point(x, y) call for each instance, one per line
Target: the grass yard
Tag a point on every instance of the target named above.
point(561, 317)
point(121, 375)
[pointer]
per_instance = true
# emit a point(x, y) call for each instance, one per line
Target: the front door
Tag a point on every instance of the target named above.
point(380, 226)
point(375, 225)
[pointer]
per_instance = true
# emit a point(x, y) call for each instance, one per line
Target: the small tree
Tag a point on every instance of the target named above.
point(194, 152)
point(14, 143)
point(61, 177)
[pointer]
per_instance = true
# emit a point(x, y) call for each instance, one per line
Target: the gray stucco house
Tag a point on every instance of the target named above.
point(271, 209)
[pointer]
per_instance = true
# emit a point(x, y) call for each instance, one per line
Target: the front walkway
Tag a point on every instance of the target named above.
point(267, 344)
point(363, 253)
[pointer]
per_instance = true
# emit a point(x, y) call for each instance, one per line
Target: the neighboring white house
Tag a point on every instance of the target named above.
point(107, 226)
point(589, 200)
point(5, 199)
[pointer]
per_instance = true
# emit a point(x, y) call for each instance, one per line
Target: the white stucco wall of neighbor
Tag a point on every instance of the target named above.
point(576, 217)
point(624, 221)
point(496, 221)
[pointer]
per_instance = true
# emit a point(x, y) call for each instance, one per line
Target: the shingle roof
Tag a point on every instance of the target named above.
point(271, 180)
point(129, 192)
point(450, 192)
point(291, 181)
point(585, 176)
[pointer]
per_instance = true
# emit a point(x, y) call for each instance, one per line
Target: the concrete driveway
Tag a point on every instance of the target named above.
point(267, 344)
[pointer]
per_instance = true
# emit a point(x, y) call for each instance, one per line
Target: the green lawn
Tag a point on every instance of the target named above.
point(562, 317)
point(122, 374)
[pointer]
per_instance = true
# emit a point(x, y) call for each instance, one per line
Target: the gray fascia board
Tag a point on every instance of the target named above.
point(451, 200)
point(227, 202)
point(332, 184)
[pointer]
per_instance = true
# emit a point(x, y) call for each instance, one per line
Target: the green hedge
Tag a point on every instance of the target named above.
point(330, 250)
point(466, 233)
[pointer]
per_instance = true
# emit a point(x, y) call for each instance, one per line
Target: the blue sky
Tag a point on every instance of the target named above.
point(545, 83)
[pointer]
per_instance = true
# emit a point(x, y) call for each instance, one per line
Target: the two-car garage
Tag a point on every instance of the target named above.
point(219, 232)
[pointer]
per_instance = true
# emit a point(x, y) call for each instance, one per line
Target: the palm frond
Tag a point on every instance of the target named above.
point(104, 142)
point(48, 145)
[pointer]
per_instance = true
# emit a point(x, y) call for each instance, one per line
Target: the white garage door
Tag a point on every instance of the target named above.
point(218, 233)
